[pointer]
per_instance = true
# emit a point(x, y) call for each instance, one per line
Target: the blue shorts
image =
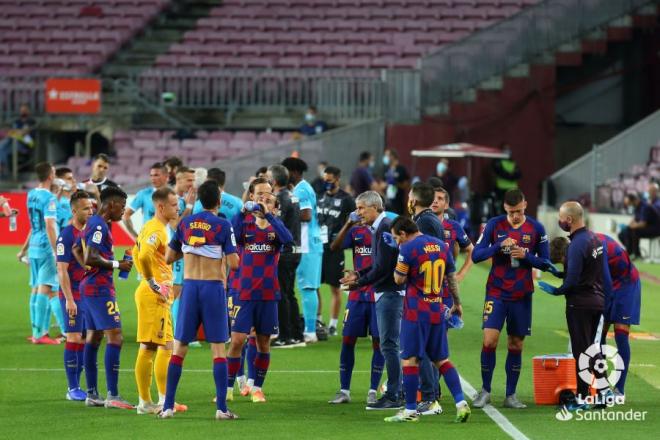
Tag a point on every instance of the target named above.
point(233, 305)
point(202, 302)
point(43, 271)
point(308, 273)
point(423, 339)
point(358, 318)
point(177, 272)
point(625, 304)
point(262, 315)
point(518, 315)
point(74, 324)
point(101, 312)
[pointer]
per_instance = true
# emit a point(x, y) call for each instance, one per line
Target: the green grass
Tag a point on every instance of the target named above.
point(32, 403)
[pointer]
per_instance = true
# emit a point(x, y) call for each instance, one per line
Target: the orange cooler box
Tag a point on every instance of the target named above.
point(553, 373)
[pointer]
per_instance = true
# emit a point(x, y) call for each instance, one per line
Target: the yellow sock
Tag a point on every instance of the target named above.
point(160, 369)
point(143, 367)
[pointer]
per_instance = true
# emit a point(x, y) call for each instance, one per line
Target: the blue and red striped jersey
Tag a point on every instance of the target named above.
point(454, 233)
point(622, 271)
point(259, 254)
point(359, 239)
point(204, 234)
point(424, 260)
point(98, 281)
point(68, 237)
point(504, 281)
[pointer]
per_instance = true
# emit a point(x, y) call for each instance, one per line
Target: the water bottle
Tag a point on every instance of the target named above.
point(13, 225)
point(514, 262)
point(123, 274)
point(453, 321)
point(251, 206)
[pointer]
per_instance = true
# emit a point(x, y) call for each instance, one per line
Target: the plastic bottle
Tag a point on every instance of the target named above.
point(123, 274)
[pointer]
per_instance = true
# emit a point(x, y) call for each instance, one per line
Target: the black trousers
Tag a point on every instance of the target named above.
point(630, 238)
point(582, 328)
point(288, 310)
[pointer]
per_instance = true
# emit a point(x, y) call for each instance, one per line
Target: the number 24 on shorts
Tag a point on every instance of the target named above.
point(113, 308)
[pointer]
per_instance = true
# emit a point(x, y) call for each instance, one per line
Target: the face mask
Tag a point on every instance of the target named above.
point(328, 186)
point(440, 168)
point(309, 117)
point(411, 207)
point(372, 164)
point(386, 160)
point(646, 196)
point(24, 115)
point(564, 226)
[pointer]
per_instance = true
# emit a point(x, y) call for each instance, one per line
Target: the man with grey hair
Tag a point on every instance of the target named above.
point(287, 309)
point(389, 297)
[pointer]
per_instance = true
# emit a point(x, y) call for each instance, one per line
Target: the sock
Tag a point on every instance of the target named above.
point(174, 312)
point(250, 355)
point(377, 364)
point(56, 309)
point(160, 369)
point(346, 362)
point(45, 325)
point(261, 364)
point(623, 345)
point(90, 353)
point(233, 365)
point(143, 372)
point(173, 376)
point(512, 367)
point(333, 323)
point(453, 381)
point(410, 385)
point(71, 364)
point(241, 368)
point(40, 311)
point(310, 304)
point(33, 312)
point(487, 367)
point(80, 351)
point(112, 352)
point(220, 378)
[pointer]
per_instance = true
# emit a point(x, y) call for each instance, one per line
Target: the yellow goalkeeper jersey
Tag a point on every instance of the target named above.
point(152, 243)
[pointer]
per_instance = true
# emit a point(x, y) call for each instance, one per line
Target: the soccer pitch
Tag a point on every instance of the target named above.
point(301, 380)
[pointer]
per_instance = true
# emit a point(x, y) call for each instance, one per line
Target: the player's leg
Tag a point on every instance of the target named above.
point(175, 368)
point(355, 325)
point(72, 349)
point(494, 314)
point(261, 365)
point(621, 337)
point(307, 273)
point(176, 293)
point(234, 359)
point(626, 313)
point(250, 354)
point(113, 347)
point(389, 309)
point(519, 325)
point(377, 359)
point(49, 283)
point(41, 314)
point(90, 357)
point(414, 336)
point(333, 268)
point(144, 366)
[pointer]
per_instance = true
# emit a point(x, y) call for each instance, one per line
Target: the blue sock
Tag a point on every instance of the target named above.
point(220, 378)
point(232, 369)
point(410, 386)
point(512, 367)
point(452, 380)
point(623, 345)
point(250, 355)
point(346, 362)
point(241, 368)
point(377, 364)
point(56, 309)
point(261, 364)
point(112, 353)
point(487, 367)
point(45, 325)
point(173, 375)
point(71, 365)
point(41, 316)
point(310, 302)
point(90, 354)
point(80, 355)
point(174, 311)
point(33, 311)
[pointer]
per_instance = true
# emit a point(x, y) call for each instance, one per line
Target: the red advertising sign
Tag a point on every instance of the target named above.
point(82, 96)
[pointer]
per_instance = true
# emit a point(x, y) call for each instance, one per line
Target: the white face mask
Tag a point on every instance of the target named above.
point(440, 168)
point(386, 160)
point(310, 117)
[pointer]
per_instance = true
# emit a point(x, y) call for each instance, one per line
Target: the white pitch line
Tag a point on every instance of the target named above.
point(494, 414)
point(191, 370)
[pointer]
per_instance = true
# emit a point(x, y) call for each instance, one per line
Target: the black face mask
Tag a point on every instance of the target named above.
point(24, 115)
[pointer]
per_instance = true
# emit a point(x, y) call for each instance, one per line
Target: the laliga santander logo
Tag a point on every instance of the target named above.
point(564, 415)
point(598, 358)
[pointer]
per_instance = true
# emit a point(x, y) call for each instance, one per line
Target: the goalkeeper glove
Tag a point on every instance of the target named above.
point(389, 240)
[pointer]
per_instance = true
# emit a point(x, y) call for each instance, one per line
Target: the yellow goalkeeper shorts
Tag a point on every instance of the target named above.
point(154, 317)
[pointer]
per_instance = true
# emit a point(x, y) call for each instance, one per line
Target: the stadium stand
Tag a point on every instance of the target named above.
point(68, 36)
point(138, 149)
point(358, 34)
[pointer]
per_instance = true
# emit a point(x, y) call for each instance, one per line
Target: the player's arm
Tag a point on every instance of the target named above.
point(283, 234)
point(574, 263)
point(229, 247)
point(189, 200)
point(65, 285)
point(539, 257)
point(402, 267)
point(485, 247)
point(467, 263)
point(129, 223)
point(23, 250)
point(174, 252)
point(51, 231)
point(339, 242)
point(93, 258)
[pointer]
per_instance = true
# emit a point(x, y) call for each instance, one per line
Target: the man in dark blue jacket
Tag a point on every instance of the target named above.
point(645, 224)
point(586, 281)
point(388, 295)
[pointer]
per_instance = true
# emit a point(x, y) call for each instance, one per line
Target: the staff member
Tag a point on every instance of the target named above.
point(587, 278)
point(389, 297)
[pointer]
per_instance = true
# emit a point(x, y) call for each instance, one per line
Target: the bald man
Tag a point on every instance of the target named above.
point(586, 281)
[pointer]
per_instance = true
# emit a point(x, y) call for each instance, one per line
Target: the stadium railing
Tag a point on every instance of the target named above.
point(605, 161)
point(531, 33)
